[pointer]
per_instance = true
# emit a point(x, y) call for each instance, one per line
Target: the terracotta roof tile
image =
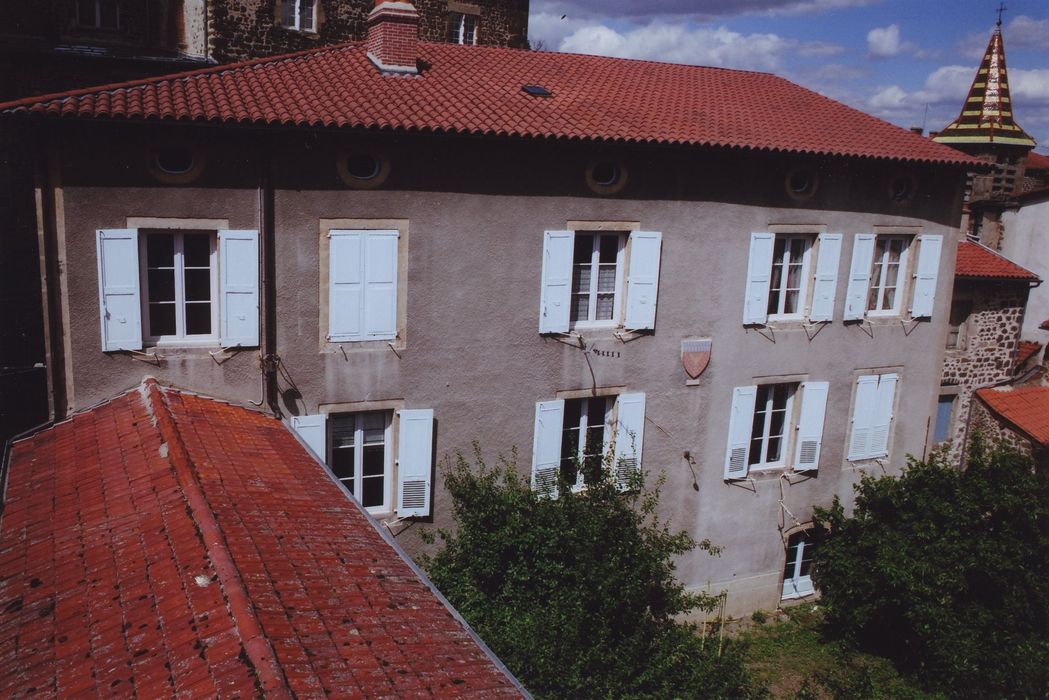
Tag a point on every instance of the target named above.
point(1027, 408)
point(1045, 325)
point(975, 260)
point(164, 543)
point(1037, 161)
point(478, 90)
point(1025, 351)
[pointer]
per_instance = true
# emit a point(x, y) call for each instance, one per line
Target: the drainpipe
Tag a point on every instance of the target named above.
point(268, 276)
point(54, 345)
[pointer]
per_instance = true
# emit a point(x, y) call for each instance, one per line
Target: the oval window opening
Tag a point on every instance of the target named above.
point(801, 182)
point(606, 173)
point(363, 166)
point(175, 161)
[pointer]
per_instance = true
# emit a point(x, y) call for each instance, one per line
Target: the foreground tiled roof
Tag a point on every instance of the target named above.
point(166, 544)
point(1037, 161)
point(1025, 351)
point(478, 90)
point(975, 260)
point(1026, 408)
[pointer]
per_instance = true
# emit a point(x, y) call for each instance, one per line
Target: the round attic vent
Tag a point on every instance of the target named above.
point(606, 176)
point(801, 183)
point(363, 169)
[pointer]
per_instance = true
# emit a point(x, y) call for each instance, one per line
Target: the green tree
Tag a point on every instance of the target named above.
point(577, 594)
point(946, 572)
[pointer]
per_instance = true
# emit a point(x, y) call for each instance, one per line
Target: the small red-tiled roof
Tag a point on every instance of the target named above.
point(1026, 408)
point(1025, 351)
point(479, 90)
point(975, 260)
point(166, 544)
point(1037, 161)
point(1045, 325)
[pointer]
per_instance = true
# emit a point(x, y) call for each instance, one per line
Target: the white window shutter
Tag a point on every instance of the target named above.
point(859, 276)
point(380, 285)
point(556, 295)
point(414, 462)
point(546, 446)
point(312, 430)
point(826, 284)
point(863, 407)
point(345, 285)
point(925, 275)
point(759, 275)
point(740, 420)
point(879, 445)
point(119, 295)
point(810, 425)
point(643, 280)
point(630, 433)
point(239, 282)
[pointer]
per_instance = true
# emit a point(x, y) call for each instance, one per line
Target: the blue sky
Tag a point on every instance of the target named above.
point(907, 61)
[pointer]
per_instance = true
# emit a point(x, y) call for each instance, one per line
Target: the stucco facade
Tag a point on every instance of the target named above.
point(474, 212)
point(1026, 240)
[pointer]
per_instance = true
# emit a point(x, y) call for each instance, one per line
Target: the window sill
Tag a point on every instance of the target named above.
point(179, 343)
point(347, 346)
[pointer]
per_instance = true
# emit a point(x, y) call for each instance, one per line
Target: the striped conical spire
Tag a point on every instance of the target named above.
point(987, 116)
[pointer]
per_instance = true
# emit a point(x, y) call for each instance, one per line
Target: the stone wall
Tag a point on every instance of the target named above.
point(987, 343)
point(241, 29)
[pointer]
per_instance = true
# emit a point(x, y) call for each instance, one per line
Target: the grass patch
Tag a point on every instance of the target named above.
point(791, 656)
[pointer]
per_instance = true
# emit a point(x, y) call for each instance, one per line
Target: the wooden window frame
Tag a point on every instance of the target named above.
point(179, 338)
point(357, 480)
point(902, 287)
point(789, 421)
point(619, 292)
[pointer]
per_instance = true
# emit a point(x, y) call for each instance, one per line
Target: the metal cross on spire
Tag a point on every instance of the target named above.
point(1001, 8)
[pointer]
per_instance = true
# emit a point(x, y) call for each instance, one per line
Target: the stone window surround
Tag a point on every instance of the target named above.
point(400, 343)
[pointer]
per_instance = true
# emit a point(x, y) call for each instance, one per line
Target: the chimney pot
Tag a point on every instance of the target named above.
point(393, 36)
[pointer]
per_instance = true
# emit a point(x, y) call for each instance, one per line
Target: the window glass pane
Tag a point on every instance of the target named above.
point(469, 29)
point(889, 300)
point(108, 14)
point(790, 301)
point(373, 489)
point(342, 464)
point(570, 439)
point(160, 251)
point(161, 285)
point(196, 250)
point(606, 278)
point(162, 319)
point(306, 15)
point(609, 249)
point(584, 248)
point(85, 12)
point(792, 557)
point(581, 279)
point(198, 318)
point(342, 431)
point(198, 285)
point(288, 14)
point(806, 558)
point(943, 418)
point(605, 307)
point(374, 426)
point(373, 460)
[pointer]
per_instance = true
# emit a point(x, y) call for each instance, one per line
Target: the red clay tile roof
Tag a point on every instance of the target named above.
point(478, 90)
point(1026, 408)
point(1045, 325)
point(1037, 161)
point(1025, 351)
point(164, 543)
point(975, 260)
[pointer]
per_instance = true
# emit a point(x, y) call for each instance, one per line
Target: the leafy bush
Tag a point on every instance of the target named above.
point(577, 595)
point(947, 573)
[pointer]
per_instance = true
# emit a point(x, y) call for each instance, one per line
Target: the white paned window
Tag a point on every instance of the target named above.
point(597, 278)
point(462, 28)
point(585, 437)
point(359, 455)
point(300, 15)
point(887, 275)
point(797, 573)
point(574, 437)
point(769, 429)
point(98, 14)
point(788, 286)
point(179, 286)
point(872, 412)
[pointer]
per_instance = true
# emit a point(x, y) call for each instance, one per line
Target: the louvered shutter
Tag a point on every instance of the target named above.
point(859, 276)
point(879, 445)
point(556, 295)
point(630, 433)
point(345, 285)
point(759, 275)
point(414, 462)
point(643, 280)
point(826, 284)
point(863, 416)
point(810, 425)
point(119, 296)
point(312, 430)
point(546, 446)
point(742, 416)
point(239, 301)
point(380, 285)
point(925, 275)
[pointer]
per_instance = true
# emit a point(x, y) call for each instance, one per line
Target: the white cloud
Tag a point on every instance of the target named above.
point(890, 98)
point(1027, 31)
point(698, 46)
point(695, 9)
point(883, 42)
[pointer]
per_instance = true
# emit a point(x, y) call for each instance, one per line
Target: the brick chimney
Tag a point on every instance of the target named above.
point(393, 36)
